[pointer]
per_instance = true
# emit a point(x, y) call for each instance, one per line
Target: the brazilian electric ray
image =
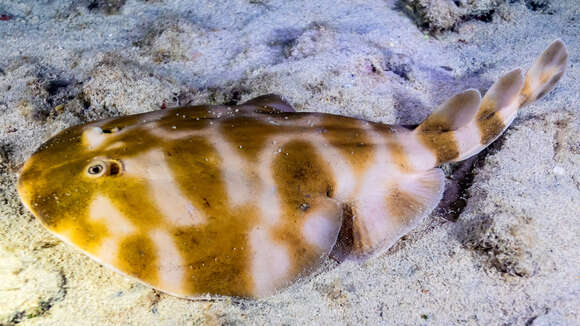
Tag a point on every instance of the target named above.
point(244, 200)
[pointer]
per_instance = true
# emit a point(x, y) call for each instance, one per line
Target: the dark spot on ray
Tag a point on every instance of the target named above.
point(329, 191)
point(206, 202)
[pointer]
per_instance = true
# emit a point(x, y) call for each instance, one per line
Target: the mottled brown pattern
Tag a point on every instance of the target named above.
point(216, 255)
point(127, 195)
point(490, 124)
point(64, 205)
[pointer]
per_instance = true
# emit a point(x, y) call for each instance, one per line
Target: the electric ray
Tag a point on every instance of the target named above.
point(245, 200)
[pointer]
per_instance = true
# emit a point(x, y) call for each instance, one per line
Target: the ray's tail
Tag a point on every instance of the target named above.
point(392, 203)
point(466, 124)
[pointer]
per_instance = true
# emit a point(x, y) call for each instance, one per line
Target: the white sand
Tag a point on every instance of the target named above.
point(512, 257)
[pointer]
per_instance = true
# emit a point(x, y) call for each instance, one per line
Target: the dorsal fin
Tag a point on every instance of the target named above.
point(502, 93)
point(437, 132)
point(269, 104)
point(453, 114)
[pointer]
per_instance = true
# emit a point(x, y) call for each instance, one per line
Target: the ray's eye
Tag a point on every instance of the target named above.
point(96, 169)
point(110, 130)
point(106, 167)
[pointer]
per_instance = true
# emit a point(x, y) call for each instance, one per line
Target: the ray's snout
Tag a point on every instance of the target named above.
point(45, 179)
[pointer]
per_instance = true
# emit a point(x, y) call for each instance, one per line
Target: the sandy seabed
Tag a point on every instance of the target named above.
point(502, 249)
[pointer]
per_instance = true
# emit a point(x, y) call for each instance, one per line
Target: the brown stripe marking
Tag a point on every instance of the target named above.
point(130, 195)
point(137, 257)
point(178, 119)
point(348, 136)
point(436, 134)
point(215, 254)
point(489, 122)
point(249, 134)
point(60, 196)
point(442, 144)
point(345, 243)
point(303, 181)
point(403, 207)
point(526, 92)
point(181, 123)
point(360, 236)
point(398, 155)
point(548, 80)
point(396, 151)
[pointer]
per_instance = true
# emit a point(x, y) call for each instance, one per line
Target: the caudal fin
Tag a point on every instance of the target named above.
point(545, 72)
point(456, 131)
